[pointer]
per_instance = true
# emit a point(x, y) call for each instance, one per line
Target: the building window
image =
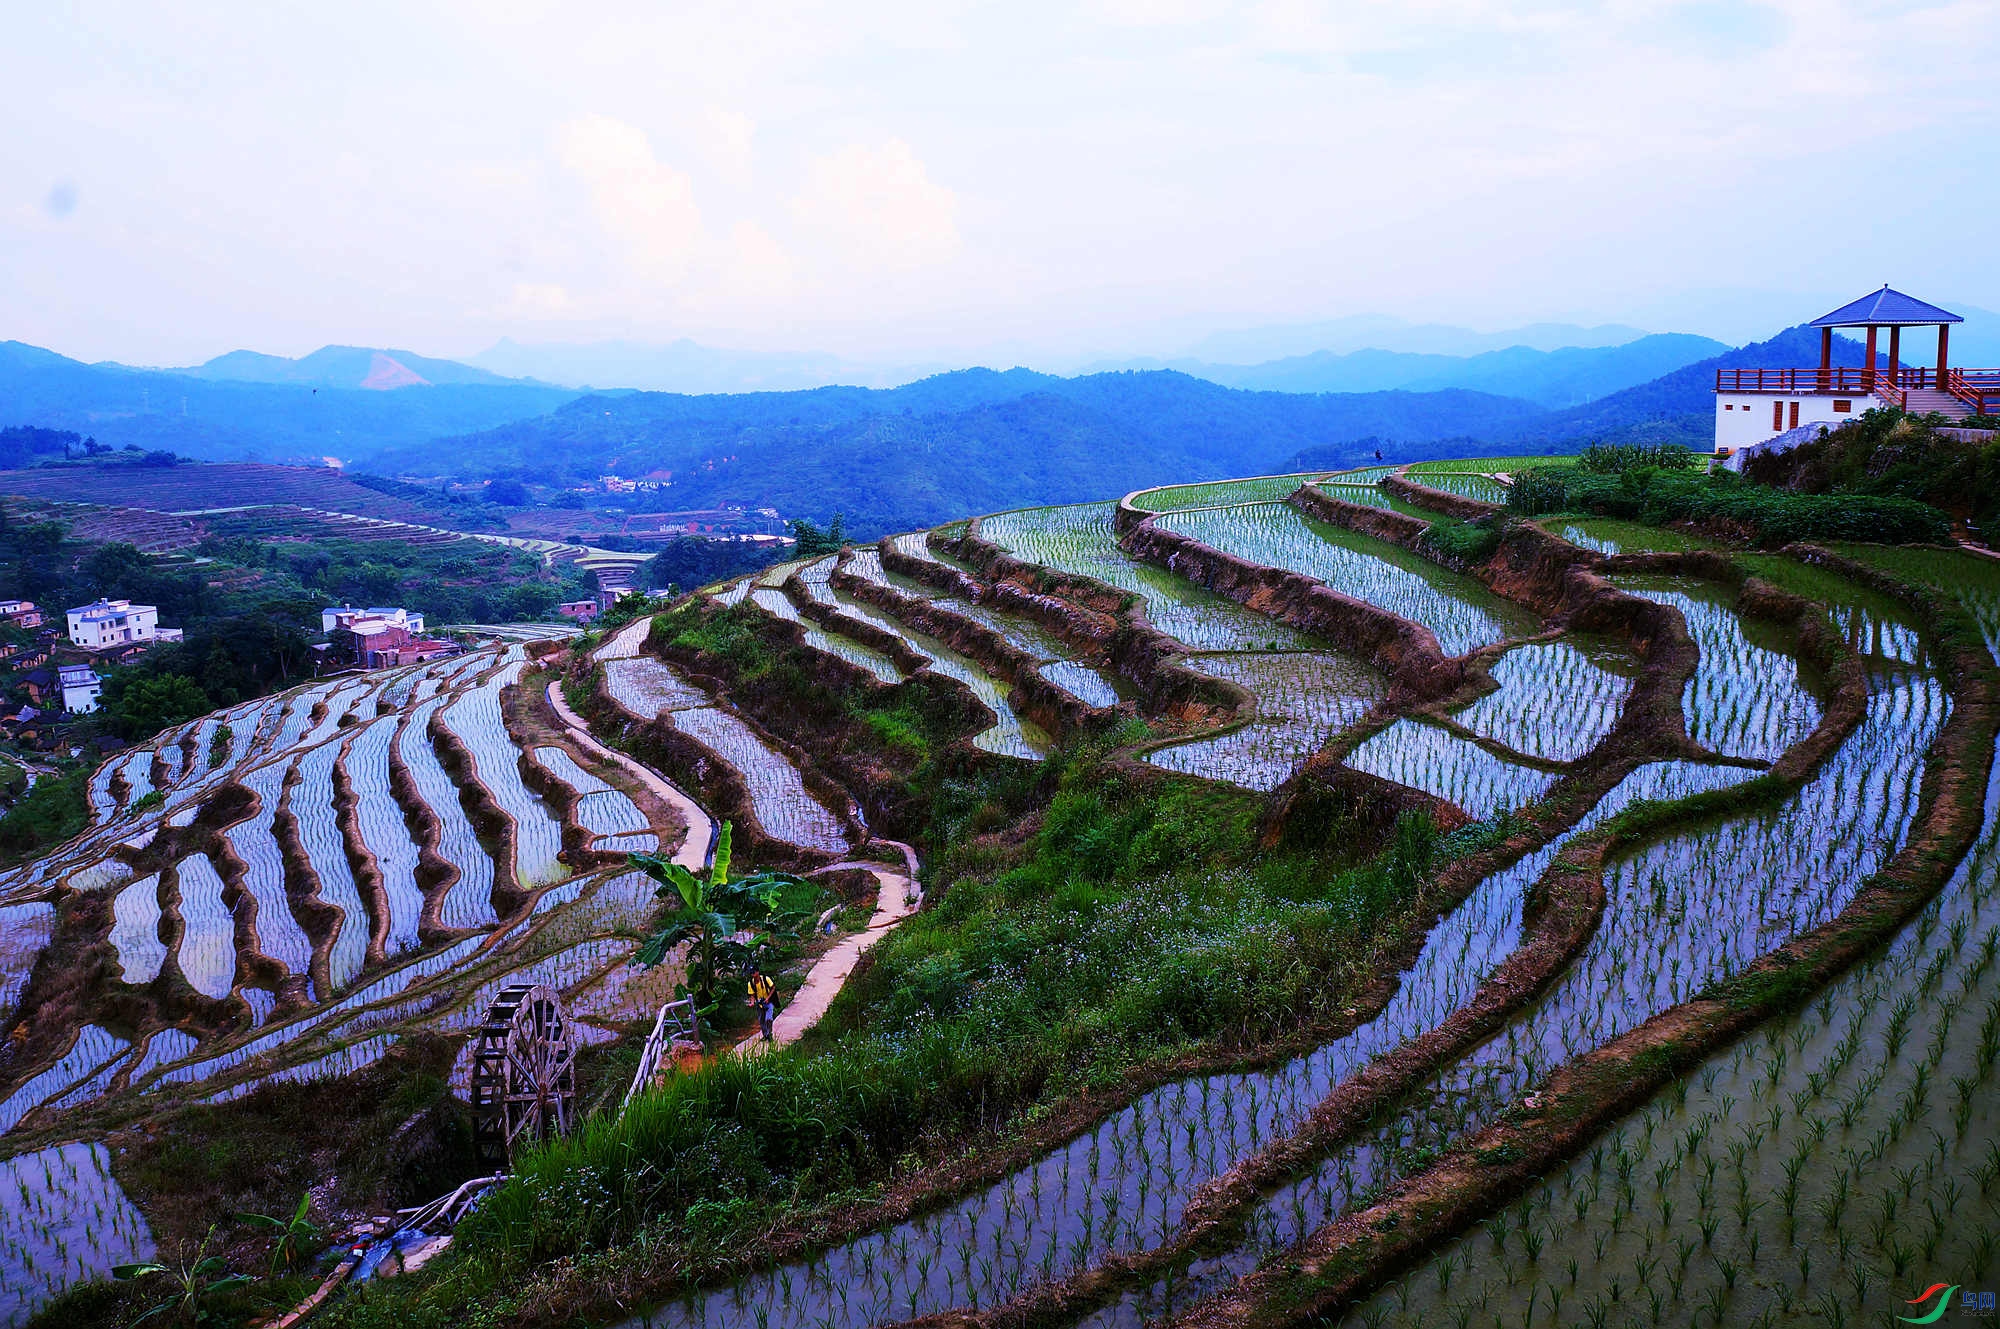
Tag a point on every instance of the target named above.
point(1842, 405)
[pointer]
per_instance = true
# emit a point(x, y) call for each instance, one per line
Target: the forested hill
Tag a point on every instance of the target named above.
point(970, 441)
point(222, 419)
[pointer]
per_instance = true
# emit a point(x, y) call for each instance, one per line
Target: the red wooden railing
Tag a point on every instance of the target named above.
point(1977, 388)
point(1839, 378)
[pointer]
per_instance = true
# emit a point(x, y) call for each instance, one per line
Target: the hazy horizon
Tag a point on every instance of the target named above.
point(977, 184)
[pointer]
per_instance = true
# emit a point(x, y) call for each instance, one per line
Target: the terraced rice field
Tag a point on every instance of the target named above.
point(1463, 614)
point(1554, 701)
point(1303, 701)
point(1820, 1170)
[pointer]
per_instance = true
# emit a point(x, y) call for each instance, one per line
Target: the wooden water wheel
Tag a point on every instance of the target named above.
point(523, 1073)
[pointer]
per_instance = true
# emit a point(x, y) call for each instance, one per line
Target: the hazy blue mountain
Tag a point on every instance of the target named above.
point(685, 366)
point(344, 367)
point(1558, 378)
point(958, 443)
point(227, 420)
point(1381, 332)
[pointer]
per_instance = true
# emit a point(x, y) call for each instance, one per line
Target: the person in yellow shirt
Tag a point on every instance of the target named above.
point(764, 996)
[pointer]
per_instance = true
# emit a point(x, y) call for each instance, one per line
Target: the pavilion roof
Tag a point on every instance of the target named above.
point(1885, 308)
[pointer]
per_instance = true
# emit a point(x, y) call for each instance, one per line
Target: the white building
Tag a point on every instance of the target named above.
point(1753, 406)
point(108, 623)
point(346, 616)
point(80, 688)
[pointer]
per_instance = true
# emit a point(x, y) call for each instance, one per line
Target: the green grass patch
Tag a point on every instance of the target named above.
point(1769, 516)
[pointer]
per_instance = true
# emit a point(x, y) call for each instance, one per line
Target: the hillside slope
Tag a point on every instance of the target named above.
point(958, 442)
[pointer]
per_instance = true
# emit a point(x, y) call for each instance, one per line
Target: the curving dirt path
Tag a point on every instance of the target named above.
point(693, 853)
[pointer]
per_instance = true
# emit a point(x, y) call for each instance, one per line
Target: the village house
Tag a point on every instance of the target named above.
point(583, 611)
point(20, 614)
point(335, 618)
point(81, 687)
point(108, 623)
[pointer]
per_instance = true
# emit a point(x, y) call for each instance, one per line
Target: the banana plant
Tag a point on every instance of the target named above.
point(725, 922)
point(194, 1282)
point(292, 1234)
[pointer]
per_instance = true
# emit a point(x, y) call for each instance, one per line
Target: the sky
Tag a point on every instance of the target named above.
point(944, 181)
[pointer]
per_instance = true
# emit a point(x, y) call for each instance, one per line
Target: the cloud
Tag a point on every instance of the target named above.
point(540, 300)
point(61, 201)
point(645, 203)
point(878, 207)
point(727, 140)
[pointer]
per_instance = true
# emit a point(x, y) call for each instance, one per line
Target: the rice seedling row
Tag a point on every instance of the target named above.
point(1481, 466)
point(1463, 614)
point(1554, 701)
point(1745, 699)
point(207, 950)
point(24, 930)
point(778, 796)
point(1682, 913)
point(66, 1220)
point(468, 903)
point(775, 604)
point(163, 1048)
point(297, 718)
point(1609, 535)
point(103, 803)
point(94, 1046)
point(135, 931)
point(138, 773)
point(475, 720)
point(600, 809)
point(349, 698)
point(644, 687)
point(1427, 758)
point(1465, 484)
point(379, 819)
point(1823, 1168)
point(253, 840)
point(1262, 489)
point(1078, 539)
point(1303, 700)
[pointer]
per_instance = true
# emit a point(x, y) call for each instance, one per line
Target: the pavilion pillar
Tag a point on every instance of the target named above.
point(1868, 365)
point(1895, 352)
point(1825, 359)
point(1944, 343)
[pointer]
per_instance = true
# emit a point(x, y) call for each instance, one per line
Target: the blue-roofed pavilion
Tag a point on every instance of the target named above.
point(1895, 311)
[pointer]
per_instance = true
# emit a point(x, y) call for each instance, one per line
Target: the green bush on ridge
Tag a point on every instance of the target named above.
point(1771, 516)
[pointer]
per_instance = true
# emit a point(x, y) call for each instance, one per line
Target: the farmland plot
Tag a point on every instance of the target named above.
point(255, 842)
point(1814, 1167)
point(1463, 614)
point(468, 903)
point(778, 796)
point(311, 802)
point(1746, 699)
point(135, 931)
point(1555, 700)
point(476, 722)
point(1222, 493)
point(1303, 700)
point(94, 1048)
point(207, 951)
point(1078, 539)
point(384, 831)
point(1445, 766)
point(24, 929)
point(1682, 914)
point(66, 1219)
point(600, 809)
point(643, 687)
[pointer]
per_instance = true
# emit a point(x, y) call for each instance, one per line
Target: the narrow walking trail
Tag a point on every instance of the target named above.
point(693, 853)
point(897, 899)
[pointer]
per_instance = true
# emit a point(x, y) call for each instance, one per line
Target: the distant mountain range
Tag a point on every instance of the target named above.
point(345, 367)
point(1556, 378)
point(894, 458)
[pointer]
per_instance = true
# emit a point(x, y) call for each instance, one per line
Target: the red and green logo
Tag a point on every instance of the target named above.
point(1942, 1292)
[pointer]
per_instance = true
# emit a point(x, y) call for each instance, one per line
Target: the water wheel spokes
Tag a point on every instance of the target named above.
point(523, 1073)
